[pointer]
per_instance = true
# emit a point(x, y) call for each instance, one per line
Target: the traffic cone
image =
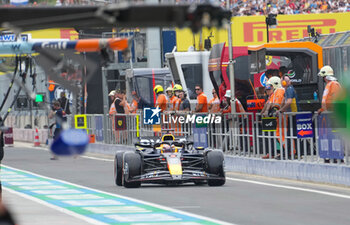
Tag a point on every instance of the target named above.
point(36, 138)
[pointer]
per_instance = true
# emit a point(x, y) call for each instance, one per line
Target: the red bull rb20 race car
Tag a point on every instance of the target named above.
point(168, 161)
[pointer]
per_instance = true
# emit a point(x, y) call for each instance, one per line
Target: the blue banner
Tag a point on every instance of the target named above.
point(200, 137)
point(99, 128)
point(7, 37)
point(330, 143)
point(304, 125)
point(19, 2)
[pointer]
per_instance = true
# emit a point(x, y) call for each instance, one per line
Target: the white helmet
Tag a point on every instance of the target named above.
point(275, 82)
point(326, 71)
point(169, 89)
point(112, 93)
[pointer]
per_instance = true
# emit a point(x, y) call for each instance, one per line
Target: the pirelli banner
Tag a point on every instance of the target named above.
point(251, 30)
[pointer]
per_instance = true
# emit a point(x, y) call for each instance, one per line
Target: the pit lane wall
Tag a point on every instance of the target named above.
point(251, 30)
point(247, 146)
point(296, 170)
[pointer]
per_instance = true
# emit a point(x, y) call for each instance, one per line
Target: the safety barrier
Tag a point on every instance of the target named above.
point(296, 136)
point(301, 136)
point(284, 142)
point(234, 135)
point(23, 119)
point(120, 129)
point(125, 128)
point(27, 135)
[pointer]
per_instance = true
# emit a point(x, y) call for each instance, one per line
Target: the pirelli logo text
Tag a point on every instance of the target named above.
point(286, 30)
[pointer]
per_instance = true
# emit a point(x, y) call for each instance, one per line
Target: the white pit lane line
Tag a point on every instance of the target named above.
point(59, 209)
point(96, 158)
point(290, 187)
point(92, 221)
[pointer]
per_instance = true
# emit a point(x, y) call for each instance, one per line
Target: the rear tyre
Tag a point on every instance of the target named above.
point(132, 167)
point(215, 165)
point(118, 168)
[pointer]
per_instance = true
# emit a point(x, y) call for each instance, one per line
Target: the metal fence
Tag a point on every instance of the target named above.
point(239, 134)
point(124, 129)
point(243, 135)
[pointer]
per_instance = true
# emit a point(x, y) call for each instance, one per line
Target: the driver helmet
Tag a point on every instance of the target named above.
point(166, 148)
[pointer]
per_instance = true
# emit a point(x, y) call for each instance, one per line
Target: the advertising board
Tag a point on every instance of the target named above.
point(251, 30)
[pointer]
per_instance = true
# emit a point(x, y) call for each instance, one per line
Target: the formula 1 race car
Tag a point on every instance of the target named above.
point(168, 161)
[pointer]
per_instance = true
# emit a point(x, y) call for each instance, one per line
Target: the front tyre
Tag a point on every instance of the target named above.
point(118, 168)
point(132, 167)
point(215, 165)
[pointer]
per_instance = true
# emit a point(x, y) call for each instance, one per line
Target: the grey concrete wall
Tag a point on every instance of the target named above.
point(324, 173)
point(108, 149)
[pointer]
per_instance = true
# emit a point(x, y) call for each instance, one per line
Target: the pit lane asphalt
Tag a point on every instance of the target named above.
point(236, 202)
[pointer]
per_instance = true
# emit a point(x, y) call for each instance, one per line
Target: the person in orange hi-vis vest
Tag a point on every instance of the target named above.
point(170, 107)
point(227, 109)
point(177, 90)
point(176, 104)
point(277, 97)
point(134, 103)
point(214, 103)
point(269, 93)
point(202, 101)
point(171, 99)
point(274, 104)
point(127, 108)
point(231, 120)
point(331, 90)
point(161, 101)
